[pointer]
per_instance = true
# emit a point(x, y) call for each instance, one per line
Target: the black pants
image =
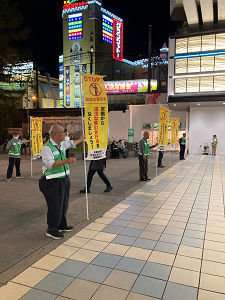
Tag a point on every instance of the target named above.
point(115, 154)
point(182, 150)
point(101, 174)
point(122, 151)
point(160, 157)
point(56, 192)
point(13, 162)
point(143, 167)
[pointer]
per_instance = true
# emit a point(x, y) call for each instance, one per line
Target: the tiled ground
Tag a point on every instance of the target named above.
point(165, 241)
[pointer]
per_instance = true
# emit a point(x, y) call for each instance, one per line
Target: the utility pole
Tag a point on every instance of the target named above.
point(149, 58)
point(91, 60)
point(37, 88)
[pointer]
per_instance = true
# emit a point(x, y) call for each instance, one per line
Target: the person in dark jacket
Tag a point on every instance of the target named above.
point(114, 150)
point(99, 167)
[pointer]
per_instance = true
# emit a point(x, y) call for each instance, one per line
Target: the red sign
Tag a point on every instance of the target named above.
point(74, 5)
point(117, 40)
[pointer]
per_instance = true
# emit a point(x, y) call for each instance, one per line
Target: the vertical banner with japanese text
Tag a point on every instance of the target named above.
point(96, 116)
point(36, 136)
point(163, 128)
point(174, 131)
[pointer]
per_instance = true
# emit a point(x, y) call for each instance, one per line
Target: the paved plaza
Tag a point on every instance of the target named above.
point(164, 239)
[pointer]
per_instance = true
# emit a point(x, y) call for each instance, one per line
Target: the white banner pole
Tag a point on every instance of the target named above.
point(85, 164)
point(31, 162)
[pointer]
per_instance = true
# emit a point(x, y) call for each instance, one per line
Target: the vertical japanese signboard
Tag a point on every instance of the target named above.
point(96, 116)
point(174, 130)
point(36, 136)
point(163, 128)
point(117, 40)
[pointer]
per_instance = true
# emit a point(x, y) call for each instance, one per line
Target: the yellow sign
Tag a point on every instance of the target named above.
point(174, 130)
point(163, 127)
point(96, 115)
point(36, 135)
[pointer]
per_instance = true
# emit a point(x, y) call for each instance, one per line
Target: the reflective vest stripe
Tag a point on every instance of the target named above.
point(58, 175)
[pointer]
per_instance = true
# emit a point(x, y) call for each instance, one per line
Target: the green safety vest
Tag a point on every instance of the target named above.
point(146, 148)
point(59, 172)
point(214, 142)
point(17, 147)
point(183, 141)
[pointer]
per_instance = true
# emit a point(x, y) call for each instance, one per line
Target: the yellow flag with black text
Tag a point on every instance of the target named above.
point(163, 128)
point(96, 116)
point(174, 130)
point(36, 136)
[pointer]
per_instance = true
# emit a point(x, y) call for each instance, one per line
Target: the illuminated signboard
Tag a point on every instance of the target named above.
point(129, 86)
point(67, 86)
point(70, 5)
point(107, 29)
point(117, 40)
point(75, 26)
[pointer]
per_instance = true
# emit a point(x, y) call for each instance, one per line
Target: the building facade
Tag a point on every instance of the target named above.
point(196, 70)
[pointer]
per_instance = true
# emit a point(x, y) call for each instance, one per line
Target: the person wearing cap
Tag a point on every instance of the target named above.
point(121, 148)
point(55, 182)
point(14, 149)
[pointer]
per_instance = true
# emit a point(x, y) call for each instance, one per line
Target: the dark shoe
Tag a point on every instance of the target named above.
point(184, 158)
point(55, 235)
point(147, 179)
point(142, 179)
point(109, 188)
point(161, 166)
point(67, 229)
point(84, 191)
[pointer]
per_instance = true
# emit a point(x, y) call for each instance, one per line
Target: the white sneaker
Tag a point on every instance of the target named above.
point(8, 179)
point(19, 177)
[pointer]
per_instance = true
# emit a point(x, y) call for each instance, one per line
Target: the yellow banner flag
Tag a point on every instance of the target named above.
point(174, 130)
point(163, 128)
point(96, 116)
point(36, 135)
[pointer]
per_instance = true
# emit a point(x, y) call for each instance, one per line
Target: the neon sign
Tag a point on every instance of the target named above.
point(117, 40)
point(67, 86)
point(107, 29)
point(129, 86)
point(75, 26)
point(72, 5)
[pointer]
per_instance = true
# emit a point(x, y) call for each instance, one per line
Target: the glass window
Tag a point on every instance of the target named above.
point(208, 42)
point(219, 62)
point(193, 64)
point(193, 85)
point(194, 44)
point(180, 85)
point(220, 41)
point(219, 83)
point(207, 63)
point(206, 84)
point(181, 65)
point(181, 45)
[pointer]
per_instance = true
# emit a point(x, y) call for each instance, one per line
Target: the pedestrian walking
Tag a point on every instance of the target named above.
point(160, 157)
point(121, 148)
point(214, 143)
point(55, 181)
point(14, 150)
point(67, 138)
point(99, 167)
point(144, 149)
point(182, 142)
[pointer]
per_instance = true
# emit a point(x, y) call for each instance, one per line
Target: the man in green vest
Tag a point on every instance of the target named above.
point(55, 182)
point(144, 149)
point(182, 146)
point(14, 148)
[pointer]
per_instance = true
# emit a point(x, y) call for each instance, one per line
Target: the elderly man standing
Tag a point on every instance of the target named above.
point(55, 182)
point(144, 149)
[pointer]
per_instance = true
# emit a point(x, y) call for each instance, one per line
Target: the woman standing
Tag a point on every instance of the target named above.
point(214, 144)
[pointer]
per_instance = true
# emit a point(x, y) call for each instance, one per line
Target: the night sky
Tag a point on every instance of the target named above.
point(44, 17)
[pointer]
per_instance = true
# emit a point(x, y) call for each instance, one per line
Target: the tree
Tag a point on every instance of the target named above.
point(12, 33)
